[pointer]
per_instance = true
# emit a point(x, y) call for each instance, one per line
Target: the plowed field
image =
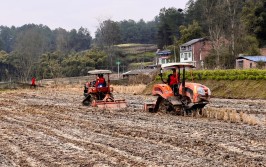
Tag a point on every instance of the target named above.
point(50, 127)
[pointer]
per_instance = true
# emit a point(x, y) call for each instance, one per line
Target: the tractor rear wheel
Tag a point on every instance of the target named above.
point(88, 100)
point(162, 105)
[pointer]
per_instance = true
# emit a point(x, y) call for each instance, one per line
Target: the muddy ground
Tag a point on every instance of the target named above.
point(50, 127)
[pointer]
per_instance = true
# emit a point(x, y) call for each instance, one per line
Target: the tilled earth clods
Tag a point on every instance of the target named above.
point(49, 127)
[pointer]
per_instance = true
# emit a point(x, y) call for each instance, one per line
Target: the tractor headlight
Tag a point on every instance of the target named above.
point(201, 91)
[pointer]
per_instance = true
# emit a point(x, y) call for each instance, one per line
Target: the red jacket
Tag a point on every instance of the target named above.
point(33, 81)
point(173, 79)
point(100, 81)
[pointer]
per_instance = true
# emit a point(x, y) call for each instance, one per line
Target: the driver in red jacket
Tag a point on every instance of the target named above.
point(173, 78)
point(173, 81)
point(100, 81)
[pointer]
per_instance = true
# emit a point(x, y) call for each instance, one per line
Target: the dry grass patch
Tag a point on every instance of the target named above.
point(249, 119)
point(74, 88)
point(231, 115)
point(130, 89)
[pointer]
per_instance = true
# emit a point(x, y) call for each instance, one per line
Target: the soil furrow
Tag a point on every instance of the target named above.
point(49, 127)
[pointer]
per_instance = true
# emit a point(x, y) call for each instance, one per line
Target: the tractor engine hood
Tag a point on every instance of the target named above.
point(198, 91)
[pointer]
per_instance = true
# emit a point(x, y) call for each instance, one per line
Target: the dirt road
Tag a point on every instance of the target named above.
point(50, 127)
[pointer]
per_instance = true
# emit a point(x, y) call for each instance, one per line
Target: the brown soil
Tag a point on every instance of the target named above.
point(50, 127)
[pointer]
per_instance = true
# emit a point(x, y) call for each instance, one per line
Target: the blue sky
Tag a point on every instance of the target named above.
point(73, 14)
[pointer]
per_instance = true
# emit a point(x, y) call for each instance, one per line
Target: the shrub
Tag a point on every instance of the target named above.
point(232, 78)
point(242, 77)
point(251, 77)
point(233, 74)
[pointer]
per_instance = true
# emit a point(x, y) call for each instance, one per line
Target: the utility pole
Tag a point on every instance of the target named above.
point(118, 63)
point(174, 48)
point(174, 53)
point(118, 70)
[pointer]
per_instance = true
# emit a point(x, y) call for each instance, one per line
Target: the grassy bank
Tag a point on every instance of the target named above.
point(239, 89)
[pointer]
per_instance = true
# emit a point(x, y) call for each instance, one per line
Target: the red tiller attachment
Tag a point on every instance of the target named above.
point(149, 106)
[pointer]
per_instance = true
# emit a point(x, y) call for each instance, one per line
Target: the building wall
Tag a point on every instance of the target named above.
point(159, 60)
point(198, 51)
point(263, 51)
point(245, 64)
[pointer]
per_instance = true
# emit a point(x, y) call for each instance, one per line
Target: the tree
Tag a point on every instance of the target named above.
point(138, 32)
point(235, 29)
point(214, 14)
point(28, 49)
point(77, 64)
point(194, 12)
point(80, 40)
point(190, 32)
point(151, 32)
point(249, 45)
point(3, 57)
point(169, 21)
point(99, 57)
point(49, 65)
point(61, 39)
point(129, 31)
point(254, 19)
point(220, 21)
point(107, 35)
point(7, 38)
point(7, 71)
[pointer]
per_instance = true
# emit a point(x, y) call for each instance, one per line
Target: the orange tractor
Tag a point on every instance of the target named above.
point(101, 96)
point(184, 97)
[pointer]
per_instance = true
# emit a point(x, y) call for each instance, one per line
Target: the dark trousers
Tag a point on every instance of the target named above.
point(33, 85)
point(175, 89)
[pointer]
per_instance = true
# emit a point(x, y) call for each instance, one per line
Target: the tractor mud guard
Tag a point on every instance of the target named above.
point(116, 104)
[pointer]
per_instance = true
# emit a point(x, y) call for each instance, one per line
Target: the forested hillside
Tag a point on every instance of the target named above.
point(233, 26)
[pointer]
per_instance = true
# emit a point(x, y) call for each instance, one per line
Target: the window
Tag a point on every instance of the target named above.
point(185, 56)
point(240, 64)
point(160, 61)
point(250, 65)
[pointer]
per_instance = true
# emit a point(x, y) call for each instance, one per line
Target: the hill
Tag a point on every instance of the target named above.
point(137, 55)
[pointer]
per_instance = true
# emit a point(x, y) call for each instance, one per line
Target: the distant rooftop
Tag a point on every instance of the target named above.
point(163, 53)
point(193, 41)
point(254, 58)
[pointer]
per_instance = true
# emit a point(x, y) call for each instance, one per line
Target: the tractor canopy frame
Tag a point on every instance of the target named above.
point(178, 67)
